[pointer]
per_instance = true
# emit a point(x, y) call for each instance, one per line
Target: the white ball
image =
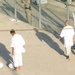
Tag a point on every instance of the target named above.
point(1, 65)
point(11, 65)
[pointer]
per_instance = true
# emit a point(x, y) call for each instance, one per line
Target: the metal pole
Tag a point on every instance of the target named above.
point(39, 13)
point(74, 19)
point(15, 10)
point(67, 9)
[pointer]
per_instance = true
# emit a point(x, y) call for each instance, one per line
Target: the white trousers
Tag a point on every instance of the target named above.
point(68, 50)
point(17, 59)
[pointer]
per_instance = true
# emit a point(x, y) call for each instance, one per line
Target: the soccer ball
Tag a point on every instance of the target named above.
point(1, 65)
point(11, 65)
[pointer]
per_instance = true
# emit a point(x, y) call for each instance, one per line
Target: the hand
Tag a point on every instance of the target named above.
point(21, 1)
point(59, 38)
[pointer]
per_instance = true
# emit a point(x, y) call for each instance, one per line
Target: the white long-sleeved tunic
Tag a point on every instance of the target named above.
point(17, 43)
point(67, 33)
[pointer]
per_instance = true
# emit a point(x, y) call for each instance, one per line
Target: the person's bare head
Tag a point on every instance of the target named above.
point(12, 32)
point(66, 22)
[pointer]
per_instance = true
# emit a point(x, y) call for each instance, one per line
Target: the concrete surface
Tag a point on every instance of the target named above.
point(45, 54)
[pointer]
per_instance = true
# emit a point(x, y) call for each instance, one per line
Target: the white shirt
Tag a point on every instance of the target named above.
point(17, 43)
point(67, 33)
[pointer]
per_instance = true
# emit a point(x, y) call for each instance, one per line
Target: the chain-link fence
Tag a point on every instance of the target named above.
point(53, 16)
point(53, 13)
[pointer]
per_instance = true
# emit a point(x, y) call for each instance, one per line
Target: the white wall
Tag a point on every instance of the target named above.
point(42, 1)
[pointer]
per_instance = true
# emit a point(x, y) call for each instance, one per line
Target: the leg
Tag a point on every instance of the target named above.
point(68, 52)
point(15, 60)
point(20, 61)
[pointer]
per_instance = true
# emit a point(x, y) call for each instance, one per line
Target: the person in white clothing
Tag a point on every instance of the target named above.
point(17, 44)
point(67, 33)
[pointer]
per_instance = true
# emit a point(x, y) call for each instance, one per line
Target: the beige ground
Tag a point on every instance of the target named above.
point(44, 52)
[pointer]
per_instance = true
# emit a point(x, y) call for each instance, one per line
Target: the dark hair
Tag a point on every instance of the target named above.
point(66, 21)
point(12, 31)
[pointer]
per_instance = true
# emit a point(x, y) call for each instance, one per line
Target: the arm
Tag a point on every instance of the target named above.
point(12, 51)
point(61, 34)
point(74, 38)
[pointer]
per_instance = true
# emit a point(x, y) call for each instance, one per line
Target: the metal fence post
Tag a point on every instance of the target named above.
point(67, 10)
point(15, 10)
point(39, 13)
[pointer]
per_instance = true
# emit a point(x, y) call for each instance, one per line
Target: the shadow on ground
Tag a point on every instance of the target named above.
point(42, 36)
point(5, 54)
point(9, 10)
point(73, 49)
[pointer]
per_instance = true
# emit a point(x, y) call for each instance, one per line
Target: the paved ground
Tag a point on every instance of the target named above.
point(45, 54)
